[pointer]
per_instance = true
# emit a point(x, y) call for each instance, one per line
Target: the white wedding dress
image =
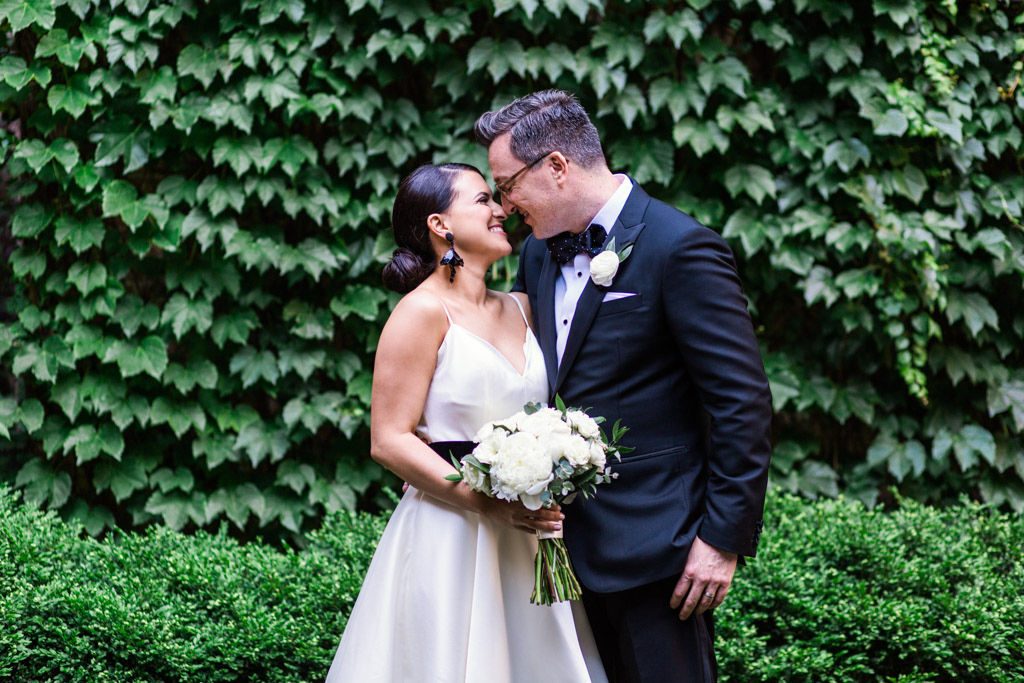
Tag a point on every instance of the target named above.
point(447, 596)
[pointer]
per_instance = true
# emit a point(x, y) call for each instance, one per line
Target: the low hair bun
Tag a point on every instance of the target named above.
point(405, 271)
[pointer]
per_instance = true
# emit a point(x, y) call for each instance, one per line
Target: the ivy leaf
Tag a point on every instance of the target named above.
point(258, 441)
point(846, 154)
point(234, 325)
point(945, 125)
point(73, 97)
point(25, 13)
point(122, 478)
point(900, 11)
point(167, 480)
point(239, 154)
point(131, 314)
point(629, 104)
point(66, 394)
point(200, 62)
point(1005, 396)
point(84, 442)
point(647, 159)
point(701, 136)
point(756, 181)
point(893, 122)
point(974, 439)
point(252, 365)
point(362, 300)
point(304, 363)
point(911, 183)
point(42, 483)
point(180, 416)
point(149, 356)
point(87, 277)
point(176, 509)
point(186, 314)
point(973, 308)
point(118, 140)
point(729, 72)
point(816, 478)
point(121, 199)
point(30, 219)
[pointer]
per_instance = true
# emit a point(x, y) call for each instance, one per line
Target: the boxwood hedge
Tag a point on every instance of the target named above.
point(837, 593)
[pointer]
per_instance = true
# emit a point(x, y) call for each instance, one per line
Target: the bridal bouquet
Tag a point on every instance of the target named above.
point(543, 456)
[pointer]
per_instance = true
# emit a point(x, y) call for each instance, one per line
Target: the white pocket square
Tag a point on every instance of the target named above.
point(612, 296)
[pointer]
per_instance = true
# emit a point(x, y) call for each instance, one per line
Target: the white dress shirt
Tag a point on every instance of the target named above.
point(576, 273)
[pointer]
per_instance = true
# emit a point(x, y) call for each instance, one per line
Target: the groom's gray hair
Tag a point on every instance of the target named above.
point(544, 122)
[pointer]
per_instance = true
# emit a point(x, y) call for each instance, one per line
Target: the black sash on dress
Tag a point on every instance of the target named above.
point(446, 449)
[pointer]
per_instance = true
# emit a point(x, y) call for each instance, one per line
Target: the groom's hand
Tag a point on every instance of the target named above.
point(705, 580)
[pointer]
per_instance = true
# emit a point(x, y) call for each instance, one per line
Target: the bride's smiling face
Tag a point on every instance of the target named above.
point(475, 219)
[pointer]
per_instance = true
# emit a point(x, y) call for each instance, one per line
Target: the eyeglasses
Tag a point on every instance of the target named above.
point(504, 188)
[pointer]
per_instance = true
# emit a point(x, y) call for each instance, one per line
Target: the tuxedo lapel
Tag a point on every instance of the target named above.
point(590, 299)
point(546, 315)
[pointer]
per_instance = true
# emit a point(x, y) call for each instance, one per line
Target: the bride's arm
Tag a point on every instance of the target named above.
point(404, 365)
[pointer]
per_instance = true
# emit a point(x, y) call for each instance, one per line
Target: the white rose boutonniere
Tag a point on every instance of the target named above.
point(605, 265)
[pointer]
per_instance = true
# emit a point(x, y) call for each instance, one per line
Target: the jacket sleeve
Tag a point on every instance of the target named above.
point(708, 317)
point(520, 284)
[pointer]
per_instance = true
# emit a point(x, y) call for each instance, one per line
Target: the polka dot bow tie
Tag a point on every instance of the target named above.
point(565, 245)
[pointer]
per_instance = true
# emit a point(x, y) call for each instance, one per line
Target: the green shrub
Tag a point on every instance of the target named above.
point(837, 593)
point(165, 606)
point(199, 197)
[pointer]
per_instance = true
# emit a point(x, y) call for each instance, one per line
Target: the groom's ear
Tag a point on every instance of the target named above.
point(558, 166)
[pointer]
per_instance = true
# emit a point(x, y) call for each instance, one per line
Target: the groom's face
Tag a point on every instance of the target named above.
point(531, 194)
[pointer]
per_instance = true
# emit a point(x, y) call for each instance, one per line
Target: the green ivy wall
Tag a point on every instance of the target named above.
point(197, 196)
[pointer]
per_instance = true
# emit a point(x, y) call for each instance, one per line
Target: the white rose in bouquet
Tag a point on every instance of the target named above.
point(568, 446)
point(544, 423)
point(477, 479)
point(584, 425)
point(598, 455)
point(489, 445)
point(523, 470)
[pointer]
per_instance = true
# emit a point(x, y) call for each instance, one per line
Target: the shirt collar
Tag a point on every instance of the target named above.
point(609, 213)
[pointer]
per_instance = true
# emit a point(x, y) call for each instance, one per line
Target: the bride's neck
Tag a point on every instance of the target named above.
point(469, 285)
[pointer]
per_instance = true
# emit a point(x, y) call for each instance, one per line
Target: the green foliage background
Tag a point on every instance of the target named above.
point(837, 593)
point(199, 193)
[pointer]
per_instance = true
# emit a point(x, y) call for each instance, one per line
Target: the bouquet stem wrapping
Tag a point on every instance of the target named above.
point(554, 579)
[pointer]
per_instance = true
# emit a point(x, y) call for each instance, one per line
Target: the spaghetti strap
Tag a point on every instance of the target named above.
point(521, 311)
point(446, 313)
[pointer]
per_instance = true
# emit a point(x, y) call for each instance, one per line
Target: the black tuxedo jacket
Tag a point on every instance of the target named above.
point(678, 363)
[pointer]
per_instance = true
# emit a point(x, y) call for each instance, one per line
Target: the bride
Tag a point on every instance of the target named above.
point(447, 595)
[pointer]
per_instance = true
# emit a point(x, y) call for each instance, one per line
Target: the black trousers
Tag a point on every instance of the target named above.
point(641, 639)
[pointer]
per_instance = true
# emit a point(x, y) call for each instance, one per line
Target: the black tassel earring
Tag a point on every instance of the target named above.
point(452, 258)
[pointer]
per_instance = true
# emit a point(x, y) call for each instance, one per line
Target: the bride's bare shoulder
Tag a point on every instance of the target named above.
point(419, 311)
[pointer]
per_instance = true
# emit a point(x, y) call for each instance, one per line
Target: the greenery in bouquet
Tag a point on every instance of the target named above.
point(543, 456)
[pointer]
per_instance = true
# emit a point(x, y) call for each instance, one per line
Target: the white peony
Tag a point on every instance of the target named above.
point(584, 425)
point(489, 445)
point(523, 470)
point(475, 478)
point(603, 268)
point(544, 423)
point(569, 446)
point(598, 455)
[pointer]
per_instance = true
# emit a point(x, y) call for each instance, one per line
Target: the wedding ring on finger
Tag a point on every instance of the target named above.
point(708, 595)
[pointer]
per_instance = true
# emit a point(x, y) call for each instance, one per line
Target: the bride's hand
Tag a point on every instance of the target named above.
point(517, 516)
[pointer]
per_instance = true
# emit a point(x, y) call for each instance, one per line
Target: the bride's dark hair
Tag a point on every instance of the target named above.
point(427, 190)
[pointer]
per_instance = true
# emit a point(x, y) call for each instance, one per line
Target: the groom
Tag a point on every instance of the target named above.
point(663, 343)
